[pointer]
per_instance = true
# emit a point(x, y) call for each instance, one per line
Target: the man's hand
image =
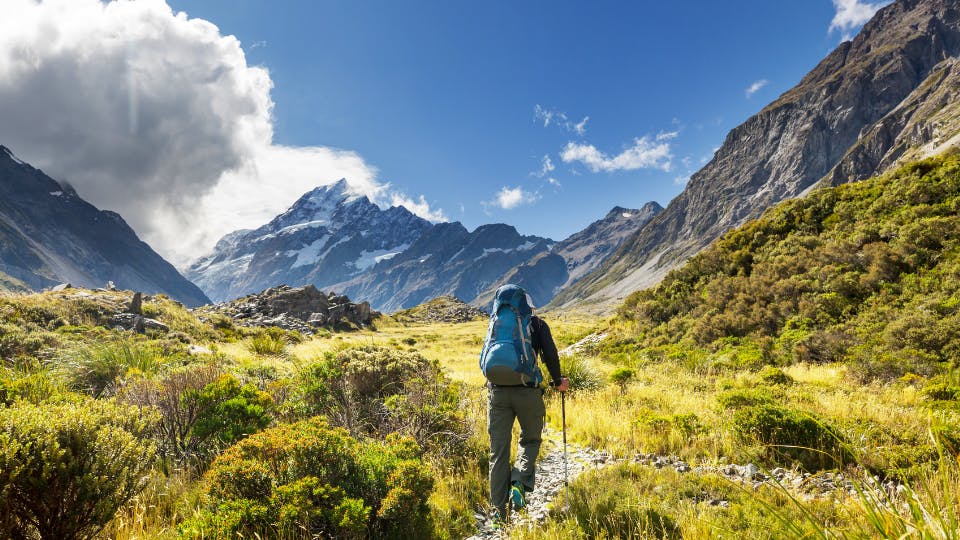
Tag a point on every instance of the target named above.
point(564, 384)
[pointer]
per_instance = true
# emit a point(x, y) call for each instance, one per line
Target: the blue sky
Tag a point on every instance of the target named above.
point(192, 118)
point(442, 96)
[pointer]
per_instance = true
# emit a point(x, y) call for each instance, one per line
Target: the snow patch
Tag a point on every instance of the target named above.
point(370, 258)
point(56, 193)
point(301, 226)
point(308, 254)
point(627, 215)
point(526, 246)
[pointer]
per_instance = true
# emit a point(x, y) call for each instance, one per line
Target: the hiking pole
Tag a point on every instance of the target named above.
point(563, 420)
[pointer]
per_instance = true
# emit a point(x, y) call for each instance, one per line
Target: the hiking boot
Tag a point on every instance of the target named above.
point(518, 496)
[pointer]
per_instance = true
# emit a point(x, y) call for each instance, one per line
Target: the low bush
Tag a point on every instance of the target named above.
point(774, 375)
point(66, 469)
point(791, 435)
point(744, 397)
point(374, 391)
point(201, 410)
point(621, 377)
point(310, 479)
point(941, 391)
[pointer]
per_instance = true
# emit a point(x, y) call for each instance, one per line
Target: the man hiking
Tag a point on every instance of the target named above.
point(515, 339)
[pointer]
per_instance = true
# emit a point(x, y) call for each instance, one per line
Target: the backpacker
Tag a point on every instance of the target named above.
point(507, 358)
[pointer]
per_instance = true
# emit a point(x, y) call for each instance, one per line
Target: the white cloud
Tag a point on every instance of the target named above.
point(644, 154)
point(157, 116)
point(510, 198)
point(419, 207)
point(553, 182)
point(756, 86)
point(546, 166)
point(559, 119)
point(851, 14)
point(581, 127)
point(667, 135)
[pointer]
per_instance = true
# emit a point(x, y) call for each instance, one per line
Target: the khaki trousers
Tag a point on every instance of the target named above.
point(504, 405)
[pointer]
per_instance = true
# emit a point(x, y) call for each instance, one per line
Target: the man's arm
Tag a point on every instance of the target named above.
point(547, 349)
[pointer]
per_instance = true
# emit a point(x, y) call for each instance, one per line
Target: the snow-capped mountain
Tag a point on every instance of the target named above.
point(445, 260)
point(50, 235)
point(330, 235)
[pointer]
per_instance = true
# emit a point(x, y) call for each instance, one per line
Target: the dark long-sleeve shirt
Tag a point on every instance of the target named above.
point(544, 347)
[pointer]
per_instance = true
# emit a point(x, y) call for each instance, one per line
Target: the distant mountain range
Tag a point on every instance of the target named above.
point(338, 240)
point(49, 235)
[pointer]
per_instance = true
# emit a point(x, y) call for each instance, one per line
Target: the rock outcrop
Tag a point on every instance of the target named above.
point(303, 309)
point(858, 112)
point(444, 309)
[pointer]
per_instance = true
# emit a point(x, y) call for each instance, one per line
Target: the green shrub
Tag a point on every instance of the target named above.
point(869, 365)
point(621, 377)
point(374, 391)
point(580, 374)
point(941, 391)
point(792, 435)
point(267, 345)
point(774, 375)
point(311, 479)
point(66, 469)
point(17, 341)
point(744, 397)
point(201, 410)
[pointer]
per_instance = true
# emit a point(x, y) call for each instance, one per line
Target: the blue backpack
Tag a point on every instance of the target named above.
point(507, 358)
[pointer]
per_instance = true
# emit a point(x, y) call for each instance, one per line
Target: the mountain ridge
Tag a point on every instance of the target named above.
point(790, 145)
point(49, 235)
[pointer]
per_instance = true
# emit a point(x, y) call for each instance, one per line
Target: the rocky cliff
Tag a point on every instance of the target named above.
point(48, 235)
point(868, 104)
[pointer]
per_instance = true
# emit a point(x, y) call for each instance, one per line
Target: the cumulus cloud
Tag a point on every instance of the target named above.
point(510, 198)
point(851, 14)
point(756, 86)
point(157, 116)
point(559, 119)
point(646, 153)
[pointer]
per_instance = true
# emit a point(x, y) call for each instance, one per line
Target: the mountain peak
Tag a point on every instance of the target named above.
point(9, 153)
point(341, 190)
point(619, 212)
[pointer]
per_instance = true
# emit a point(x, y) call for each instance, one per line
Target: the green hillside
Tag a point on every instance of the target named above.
point(865, 273)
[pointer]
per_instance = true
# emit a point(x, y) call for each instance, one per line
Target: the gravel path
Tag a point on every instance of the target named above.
point(549, 482)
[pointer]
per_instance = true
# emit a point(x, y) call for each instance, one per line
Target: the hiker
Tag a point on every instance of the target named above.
point(515, 339)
